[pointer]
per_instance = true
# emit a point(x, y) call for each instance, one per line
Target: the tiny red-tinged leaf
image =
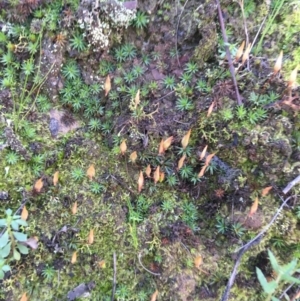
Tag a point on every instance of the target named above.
point(123, 147)
point(154, 296)
point(246, 54)
point(148, 171)
point(161, 149)
point(198, 260)
point(55, 178)
point(278, 64)
point(24, 214)
point(293, 78)
point(167, 143)
point(140, 181)
point(161, 176)
point(208, 159)
point(210, 109)
point(240, 51)
point(254, 207)
point(202, 171)
point(133, 156)
point(24, 297)
point(74, 208)
point(91, 172)
point(91, 237)
point(107, 85)
point(101, 264)
point(156, 174)
point(266, 190)
point(181, 162)
point(38, 185)
point(185, 139)
point(203, 153)
point(137, 99)
point(74, 257)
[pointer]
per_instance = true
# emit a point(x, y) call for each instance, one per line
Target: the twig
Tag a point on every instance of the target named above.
point(231, 68)
point(246, 247)
point(291, 185)
point(260, 27)
point(237, 263)
point(140, 261)
point(177, 27)
point(268, 225)
point(115, 277)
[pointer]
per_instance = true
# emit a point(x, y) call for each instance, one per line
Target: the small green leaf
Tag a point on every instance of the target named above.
point(15, 225)
point(23, 249)
point(16, 217)
point(4, 252)
point(17, 255)
point(1, 274)
point(290, 279)
point(275, 299)
point(268, 287)
point(4, 239)
point(6, 268)
point(274, 262)
point(289, 268)
point(8, 212)
point(21, 222)
point(20, 236)
point(2, 222)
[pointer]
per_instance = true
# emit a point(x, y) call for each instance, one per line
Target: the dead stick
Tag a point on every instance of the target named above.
point(115, 277)
point(230, 63)
point(291, 185)
point(246, 247)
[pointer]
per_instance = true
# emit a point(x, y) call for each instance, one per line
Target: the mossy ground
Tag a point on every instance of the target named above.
point(156, 234)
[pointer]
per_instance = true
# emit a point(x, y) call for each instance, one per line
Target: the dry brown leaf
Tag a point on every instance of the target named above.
point(161, 176)
point(101, 264)
point(246, 54)
point(208, 159)
point(156, 174)
point(161, 149)
point(254, 207)
point(74, 208)
point(203, 153)
point(38, 185)
point(293, 78)
point(181, 161)
point(137, 99)
point(91, 172)
point(123, 147)
point(91, 237)
point(167, 143)
point(140, 181)
point(148, 171)
point(278, 63)
point(133, 156)
point(202, 171)
point(74, 257)
point(185, 139)
point(210, 109)
point(55, 178)
point(240, 51)
point(154, 296)
point(107, 85)
point(24, 214)
point(266, 190)
point(24, 297)
point(198, 261)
